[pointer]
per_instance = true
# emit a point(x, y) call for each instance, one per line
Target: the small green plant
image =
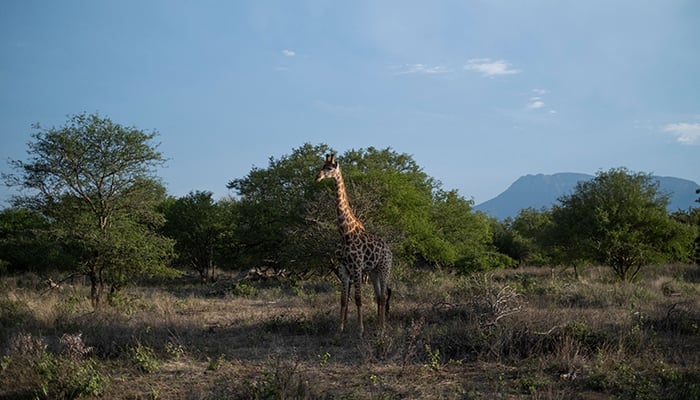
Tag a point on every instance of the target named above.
point(144, 358)
point(533, 384)
point(433, 358)
point(176, 351)
point(323, 359)
point(243, 289)
point(5, 362)
point(215, 364)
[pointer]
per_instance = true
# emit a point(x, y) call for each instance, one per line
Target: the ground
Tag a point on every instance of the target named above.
point(509, 334)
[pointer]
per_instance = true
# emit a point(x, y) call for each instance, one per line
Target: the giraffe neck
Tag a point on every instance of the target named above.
point(348, 224)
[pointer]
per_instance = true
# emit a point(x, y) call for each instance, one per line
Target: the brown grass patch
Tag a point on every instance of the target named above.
point(524, 333)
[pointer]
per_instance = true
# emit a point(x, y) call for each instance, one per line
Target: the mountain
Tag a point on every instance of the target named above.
point(541, 190)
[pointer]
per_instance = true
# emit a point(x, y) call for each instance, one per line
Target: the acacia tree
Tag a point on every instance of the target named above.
point(95, 180)
point(619, 219)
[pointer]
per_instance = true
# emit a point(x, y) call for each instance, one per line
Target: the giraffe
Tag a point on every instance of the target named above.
point(359, 253)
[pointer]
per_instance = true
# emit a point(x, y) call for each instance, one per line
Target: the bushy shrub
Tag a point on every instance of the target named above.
point(144, 358)
point(30, 369)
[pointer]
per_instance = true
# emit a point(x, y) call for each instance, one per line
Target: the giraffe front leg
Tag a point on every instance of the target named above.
point(344, 294)
point(357, 281)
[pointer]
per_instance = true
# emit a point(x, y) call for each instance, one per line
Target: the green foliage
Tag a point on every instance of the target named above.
point(534, 384)
point(271, 225)
point(199, 227)
point(286, 219)
point(31, 369)
point(69, 379)
point(25, 244)
point(144, 358)
point(691, 218)
point(176, 351)
point(531, 225)
point(619, 219)
point(94, 180)
point(243, 289)
point(461, 237)
point(13, 313)
point(216, 363)
point(628, 381)
point(434, 361)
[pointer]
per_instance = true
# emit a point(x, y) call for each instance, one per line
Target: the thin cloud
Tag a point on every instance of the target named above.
point(535, 103)
point(422, 69)
point(685, 133)
point(288, 53)
point(490, 68)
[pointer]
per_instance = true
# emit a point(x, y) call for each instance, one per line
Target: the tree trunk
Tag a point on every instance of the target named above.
point(94, 290)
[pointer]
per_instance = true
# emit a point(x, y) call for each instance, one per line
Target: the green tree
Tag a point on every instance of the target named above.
point(286, 219)
point(691, 218)
point(24, 245)
point(198, 225)
point(461, 237)
point(95, 180)
point(619, 219)
point(530, 225)
point(523, 238)
point(274, 222)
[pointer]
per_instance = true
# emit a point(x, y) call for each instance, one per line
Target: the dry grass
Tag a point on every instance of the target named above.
point(524, 333)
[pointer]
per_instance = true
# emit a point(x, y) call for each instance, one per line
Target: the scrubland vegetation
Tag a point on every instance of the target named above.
point(111, 288)
point(516, 333)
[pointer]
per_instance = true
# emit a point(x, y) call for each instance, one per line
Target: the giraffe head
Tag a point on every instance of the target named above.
point(330, 169)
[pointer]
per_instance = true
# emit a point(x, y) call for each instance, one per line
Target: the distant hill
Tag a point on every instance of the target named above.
point(541, 190)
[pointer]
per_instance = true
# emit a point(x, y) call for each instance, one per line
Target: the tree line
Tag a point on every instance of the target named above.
point(93, 205)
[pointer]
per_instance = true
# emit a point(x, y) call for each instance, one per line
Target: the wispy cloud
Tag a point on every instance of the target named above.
point(422, 69)
point(686, 133)
point(535, 103)
point(288, 53)
point(490, 68)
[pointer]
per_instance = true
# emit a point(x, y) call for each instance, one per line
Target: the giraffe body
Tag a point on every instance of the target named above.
point(361, 253)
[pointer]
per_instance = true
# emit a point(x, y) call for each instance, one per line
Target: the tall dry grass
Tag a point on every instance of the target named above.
point(528, 332)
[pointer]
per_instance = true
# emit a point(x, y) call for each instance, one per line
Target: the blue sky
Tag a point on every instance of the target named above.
point(478, 92)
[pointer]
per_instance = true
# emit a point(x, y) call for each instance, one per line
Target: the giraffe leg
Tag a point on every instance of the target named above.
point(357, 281)
point(382, 299)
point(344, 294)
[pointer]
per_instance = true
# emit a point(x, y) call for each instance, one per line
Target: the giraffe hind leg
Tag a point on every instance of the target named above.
point(382, 295)
point(388, 299)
